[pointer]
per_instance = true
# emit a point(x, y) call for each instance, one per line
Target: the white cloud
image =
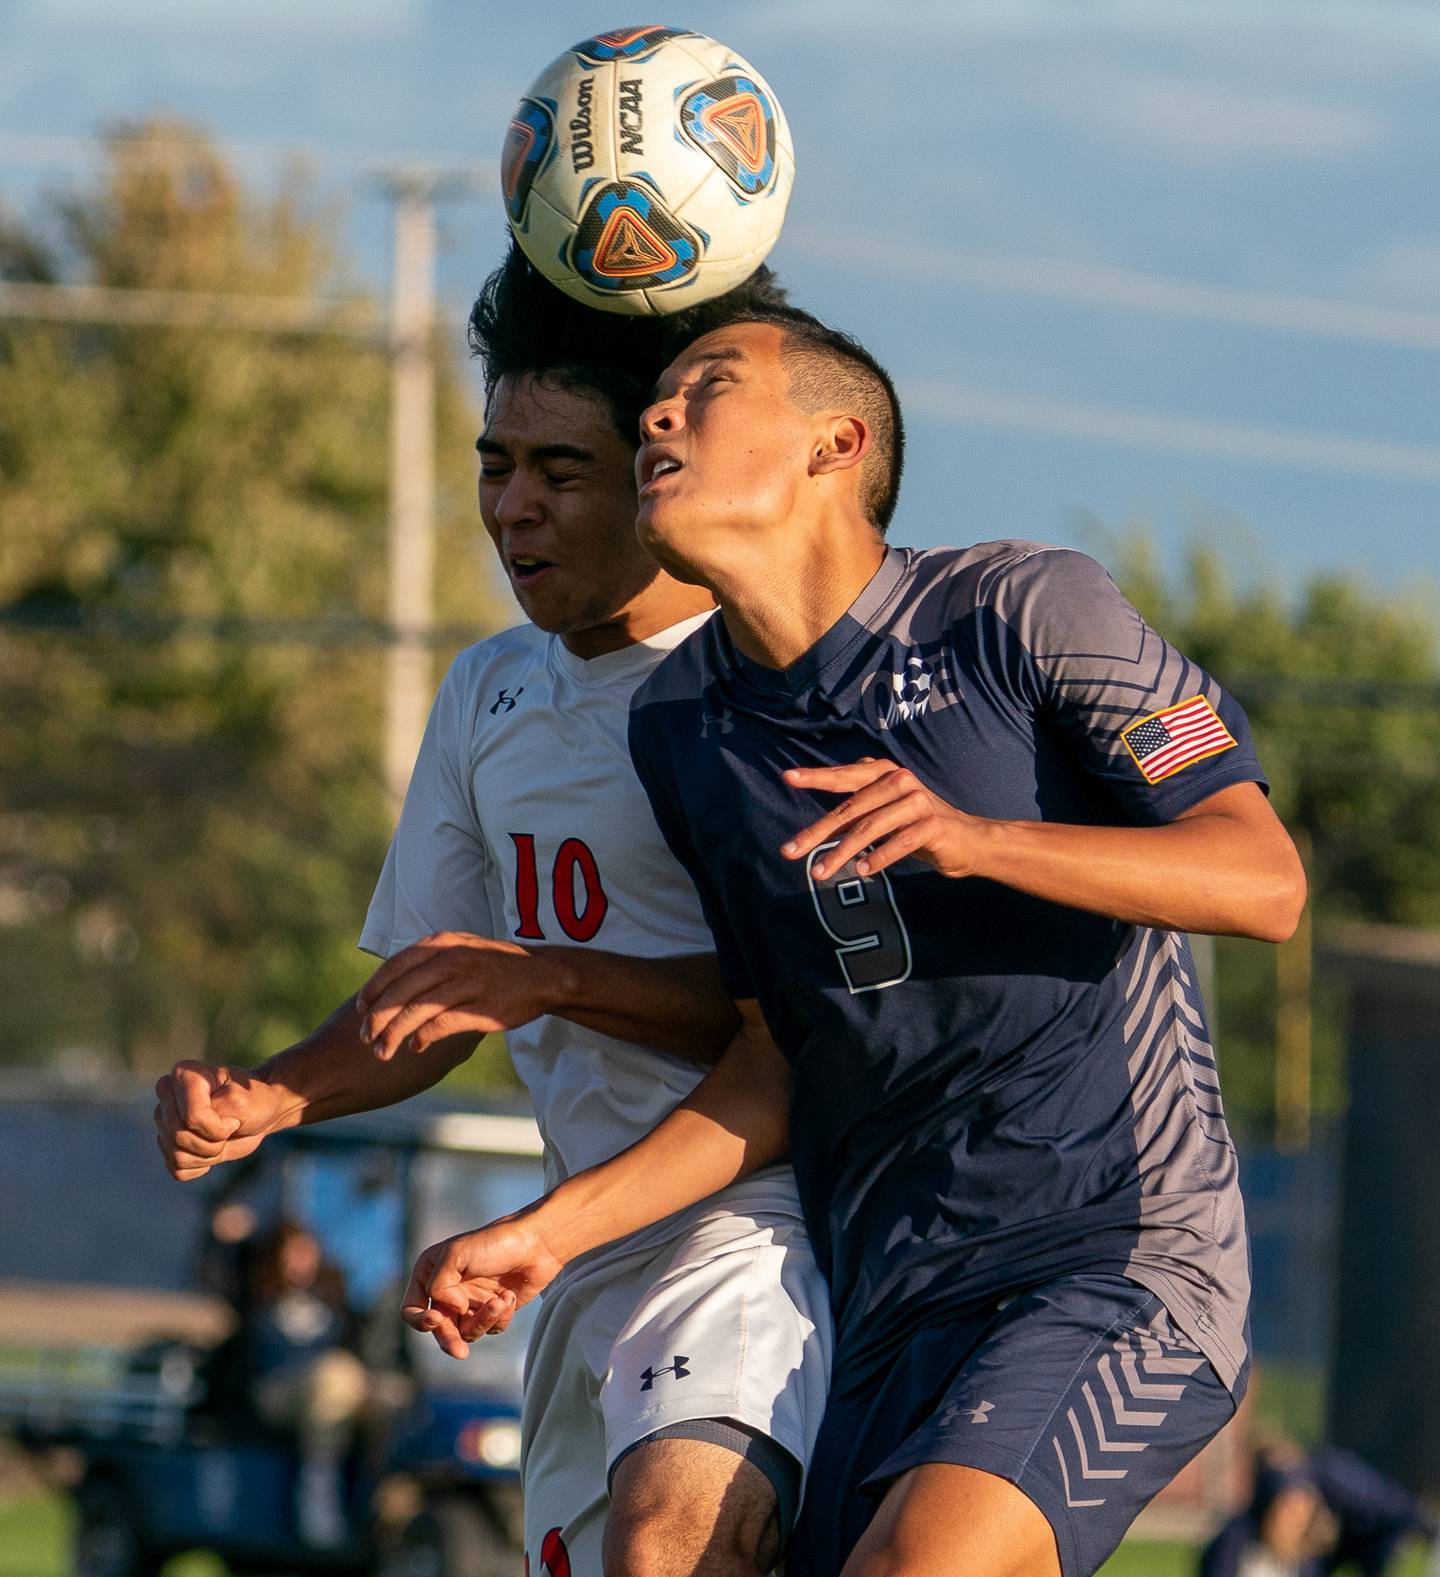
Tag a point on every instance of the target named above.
point(1206, 124)
point(1404, 271)
point(1415, 24)
point(255, 20)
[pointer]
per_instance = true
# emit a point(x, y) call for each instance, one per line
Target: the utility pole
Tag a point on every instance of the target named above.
point(412, 479)
point(411, 553)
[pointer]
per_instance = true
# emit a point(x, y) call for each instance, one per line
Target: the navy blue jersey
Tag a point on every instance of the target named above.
point(989, 1090)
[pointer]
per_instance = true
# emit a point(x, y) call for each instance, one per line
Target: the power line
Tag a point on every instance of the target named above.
point(65, 150)
point(1376, 459)
point(189, 309)
point(64, 618)
point(1116, 289)
point(957, 404)
point(74, 619)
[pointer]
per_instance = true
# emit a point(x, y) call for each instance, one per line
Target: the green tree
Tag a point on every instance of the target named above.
point(1341, 685)
point(191, 815)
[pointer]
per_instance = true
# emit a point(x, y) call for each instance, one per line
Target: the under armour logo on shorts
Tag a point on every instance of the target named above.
point(648, 1377)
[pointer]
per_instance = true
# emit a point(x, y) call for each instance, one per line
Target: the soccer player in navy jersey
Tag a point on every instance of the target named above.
point(950, 814)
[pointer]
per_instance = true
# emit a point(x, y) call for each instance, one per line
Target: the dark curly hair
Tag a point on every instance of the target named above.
point(521, 324)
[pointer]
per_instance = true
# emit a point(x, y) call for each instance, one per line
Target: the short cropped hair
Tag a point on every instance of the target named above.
point(832, 371)
point(523, 325)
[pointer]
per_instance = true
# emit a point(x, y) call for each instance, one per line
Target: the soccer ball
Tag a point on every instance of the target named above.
point(647, 169)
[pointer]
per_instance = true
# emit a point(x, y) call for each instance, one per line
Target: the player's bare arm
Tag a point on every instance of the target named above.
point(455, 982)
point(437, 997)
point(207, 1114)
point(735, 1121)
point(1225, 866)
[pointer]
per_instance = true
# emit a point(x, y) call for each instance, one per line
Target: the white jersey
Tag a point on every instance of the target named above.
point(525, 820)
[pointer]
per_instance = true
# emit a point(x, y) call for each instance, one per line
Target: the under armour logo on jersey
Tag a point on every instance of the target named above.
point(981, 1414)
point(505, 701)
point(648, 1377)
point(720, 721)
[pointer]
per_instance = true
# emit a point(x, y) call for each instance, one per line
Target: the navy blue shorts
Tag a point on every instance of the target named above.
point(1080, 1392)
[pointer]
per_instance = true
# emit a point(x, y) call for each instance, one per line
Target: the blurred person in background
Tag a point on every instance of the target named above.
point(1315, 1516)
point(303, 1374)
point(226, 1249)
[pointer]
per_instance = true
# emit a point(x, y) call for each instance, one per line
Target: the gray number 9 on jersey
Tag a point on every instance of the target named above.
point(860, 916)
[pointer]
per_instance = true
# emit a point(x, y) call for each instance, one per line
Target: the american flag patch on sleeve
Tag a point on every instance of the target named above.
point(1165, 742)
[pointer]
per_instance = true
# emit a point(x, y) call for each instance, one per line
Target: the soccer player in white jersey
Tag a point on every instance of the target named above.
point(675, 1380)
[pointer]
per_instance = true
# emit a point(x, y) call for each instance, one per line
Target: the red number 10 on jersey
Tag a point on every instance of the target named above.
point(579, 920)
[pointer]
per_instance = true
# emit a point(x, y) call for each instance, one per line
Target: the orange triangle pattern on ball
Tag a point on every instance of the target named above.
point(628, 246)
point(741, 122)
point(623, 36)
point(519, 140)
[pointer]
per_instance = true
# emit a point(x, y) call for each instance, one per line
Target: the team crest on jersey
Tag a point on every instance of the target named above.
point(733, 121)
point(529, 142)
point(915, 684)
point(628, 240)
point(627, 43)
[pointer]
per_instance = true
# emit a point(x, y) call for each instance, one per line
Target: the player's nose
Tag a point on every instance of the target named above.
point(660, 420)
point(518, 503)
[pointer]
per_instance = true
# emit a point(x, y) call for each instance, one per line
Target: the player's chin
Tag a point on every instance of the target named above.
point(545, 603)
point(660, 527)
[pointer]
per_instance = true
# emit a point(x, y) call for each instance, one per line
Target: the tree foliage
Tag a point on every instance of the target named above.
point(192, 820)
point(1342, 687)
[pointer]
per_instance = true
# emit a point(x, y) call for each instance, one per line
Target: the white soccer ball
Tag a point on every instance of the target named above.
point(647, 169)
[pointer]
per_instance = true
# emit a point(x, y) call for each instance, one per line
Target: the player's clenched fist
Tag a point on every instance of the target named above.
point(206, 1115)
point(471, 1285)
point(891, 813)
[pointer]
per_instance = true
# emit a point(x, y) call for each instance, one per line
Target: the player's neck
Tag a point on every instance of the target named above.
point(664, 602)
point(777, 605)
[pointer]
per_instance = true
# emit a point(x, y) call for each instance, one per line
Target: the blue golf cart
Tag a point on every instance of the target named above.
point(161, 1452)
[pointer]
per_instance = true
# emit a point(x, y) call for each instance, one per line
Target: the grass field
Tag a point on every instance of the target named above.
point(33, 1539)
point(34, 1536)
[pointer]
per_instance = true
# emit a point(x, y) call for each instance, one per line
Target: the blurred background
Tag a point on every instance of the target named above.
point(1159, 280)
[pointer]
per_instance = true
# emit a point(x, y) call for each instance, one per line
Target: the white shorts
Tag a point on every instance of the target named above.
point(728, 1317)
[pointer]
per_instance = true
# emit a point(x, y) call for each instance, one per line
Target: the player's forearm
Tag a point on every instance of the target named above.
point(735, 1121)
point(677, 1005)
point(1204, 873)
point(332, 1072)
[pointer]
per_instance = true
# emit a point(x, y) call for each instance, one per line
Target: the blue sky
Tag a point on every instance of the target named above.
point(977, 183)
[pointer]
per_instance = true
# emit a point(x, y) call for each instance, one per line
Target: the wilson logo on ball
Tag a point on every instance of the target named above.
point(528, 143)
point(627, 43)
point(733, 121)
point(628, 241)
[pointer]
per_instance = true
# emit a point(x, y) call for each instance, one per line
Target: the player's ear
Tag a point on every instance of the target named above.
point(842, 442)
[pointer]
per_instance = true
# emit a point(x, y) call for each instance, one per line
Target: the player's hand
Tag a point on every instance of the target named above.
point(451, 983)
point(206, 1115)
point(471, 1285)
point(890, 813)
